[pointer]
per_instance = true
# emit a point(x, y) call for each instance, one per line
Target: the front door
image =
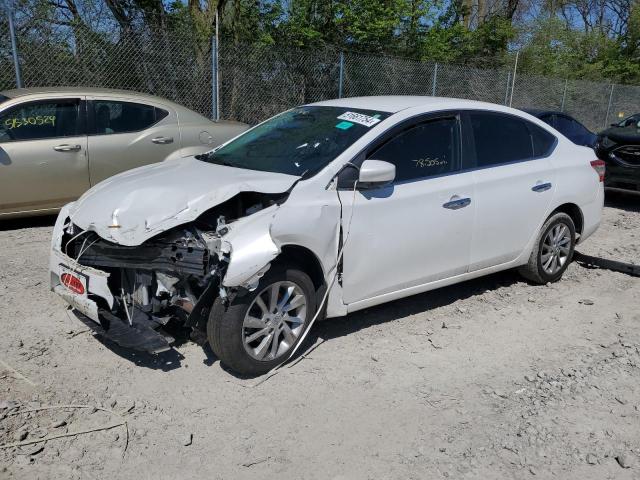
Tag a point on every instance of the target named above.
point(418, 229)
point(43, 155)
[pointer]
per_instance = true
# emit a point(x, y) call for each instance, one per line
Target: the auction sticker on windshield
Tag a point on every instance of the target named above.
point(359, 118)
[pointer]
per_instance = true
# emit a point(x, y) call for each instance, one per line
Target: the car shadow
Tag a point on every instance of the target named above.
point(334, 328)
point(29, 222)
point(330, 329)
point(165, 361)
point(629, 202)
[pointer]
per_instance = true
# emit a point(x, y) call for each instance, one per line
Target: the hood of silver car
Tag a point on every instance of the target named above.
point(136, 205)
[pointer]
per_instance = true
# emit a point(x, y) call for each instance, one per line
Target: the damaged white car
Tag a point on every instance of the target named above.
point(320, 211)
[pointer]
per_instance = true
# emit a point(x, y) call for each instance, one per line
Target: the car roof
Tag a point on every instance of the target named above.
point(396, 103)
point(129, 94)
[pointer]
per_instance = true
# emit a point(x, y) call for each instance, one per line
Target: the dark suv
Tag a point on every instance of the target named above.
point(619, 147)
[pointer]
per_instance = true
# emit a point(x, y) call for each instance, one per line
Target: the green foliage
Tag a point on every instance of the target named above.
point(555, 49)
point(552, 42)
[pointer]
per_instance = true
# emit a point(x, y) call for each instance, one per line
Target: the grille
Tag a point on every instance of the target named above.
point(629, 154)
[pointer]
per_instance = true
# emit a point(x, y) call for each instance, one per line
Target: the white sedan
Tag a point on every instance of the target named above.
point(320, 211)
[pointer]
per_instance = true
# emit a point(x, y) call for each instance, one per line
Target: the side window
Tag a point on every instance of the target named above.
point(500, 138)
point(121, 117)
point(40, 120)
point(543, 141)
point(424, 150)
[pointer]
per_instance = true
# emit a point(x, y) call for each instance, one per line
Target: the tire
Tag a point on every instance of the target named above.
point(227, 329)
point(538, 270)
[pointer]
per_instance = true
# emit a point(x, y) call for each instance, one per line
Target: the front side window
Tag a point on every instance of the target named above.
point(424, 150)
point(40, 120)
point(111, 117)
point(300, 141)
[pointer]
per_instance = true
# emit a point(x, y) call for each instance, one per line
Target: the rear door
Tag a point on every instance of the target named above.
point(43, 154)
point(514, 184)
point(124, 134)
point(418, 229)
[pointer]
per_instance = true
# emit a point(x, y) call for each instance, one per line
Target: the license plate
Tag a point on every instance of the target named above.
point(66, 271)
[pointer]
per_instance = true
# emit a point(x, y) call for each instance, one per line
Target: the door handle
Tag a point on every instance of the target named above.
point(162, 140)
point(66, 148)
point(541, 187)
point(457, 203)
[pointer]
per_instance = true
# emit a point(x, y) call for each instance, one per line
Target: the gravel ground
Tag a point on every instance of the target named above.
point(493, 378)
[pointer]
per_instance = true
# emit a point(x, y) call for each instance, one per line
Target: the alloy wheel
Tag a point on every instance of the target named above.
point(556, 248)
point(274, 321)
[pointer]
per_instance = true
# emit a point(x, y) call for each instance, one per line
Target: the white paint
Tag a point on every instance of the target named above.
point(402, 240)
point(152, 199)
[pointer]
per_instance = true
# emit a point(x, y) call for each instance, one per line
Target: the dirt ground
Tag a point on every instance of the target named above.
point(493, 378)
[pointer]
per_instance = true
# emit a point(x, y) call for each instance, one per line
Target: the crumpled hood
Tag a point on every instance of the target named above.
point(136, 205)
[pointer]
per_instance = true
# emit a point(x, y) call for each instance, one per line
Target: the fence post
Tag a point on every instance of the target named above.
point(215, 109)
point(564, 94)
point(506, 91)
point(513, 81)
point(435, 80)
point(606, 119)
point(341, 79)
point(14, 48)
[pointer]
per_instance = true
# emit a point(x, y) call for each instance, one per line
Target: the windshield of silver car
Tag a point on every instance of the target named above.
point(297, 142)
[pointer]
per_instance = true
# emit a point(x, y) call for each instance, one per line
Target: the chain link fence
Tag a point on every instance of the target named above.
point(256, 81)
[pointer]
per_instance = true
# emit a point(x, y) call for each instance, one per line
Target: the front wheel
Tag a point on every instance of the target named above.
point(553, 250)
point(257, 330)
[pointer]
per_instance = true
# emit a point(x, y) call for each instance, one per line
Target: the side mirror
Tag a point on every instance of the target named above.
point(376, 173)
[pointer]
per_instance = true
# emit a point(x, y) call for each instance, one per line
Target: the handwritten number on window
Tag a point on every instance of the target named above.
point(429, 162)
point(11, 123)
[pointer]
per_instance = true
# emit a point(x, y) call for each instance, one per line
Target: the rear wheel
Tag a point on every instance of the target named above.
point(257, 330)
point(553, 251)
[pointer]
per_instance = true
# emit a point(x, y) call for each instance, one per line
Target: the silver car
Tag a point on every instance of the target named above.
point(56, 143)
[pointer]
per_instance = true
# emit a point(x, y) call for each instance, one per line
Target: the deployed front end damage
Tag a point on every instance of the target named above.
point(128, 293)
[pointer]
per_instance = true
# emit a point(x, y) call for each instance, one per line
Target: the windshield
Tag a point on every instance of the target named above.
point(632, 120)
point(300, 141)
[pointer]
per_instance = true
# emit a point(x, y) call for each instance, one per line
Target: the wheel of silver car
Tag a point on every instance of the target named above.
point(274, 321)
point(553, 251)
point(255, 331)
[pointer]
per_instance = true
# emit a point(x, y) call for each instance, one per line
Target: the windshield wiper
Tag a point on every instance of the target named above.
point(209, 157)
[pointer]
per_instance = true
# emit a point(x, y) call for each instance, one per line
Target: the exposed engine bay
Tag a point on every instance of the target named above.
point(174, 275)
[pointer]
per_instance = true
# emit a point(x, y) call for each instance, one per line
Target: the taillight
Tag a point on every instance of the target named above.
point(599, 167)
point(72, 283)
